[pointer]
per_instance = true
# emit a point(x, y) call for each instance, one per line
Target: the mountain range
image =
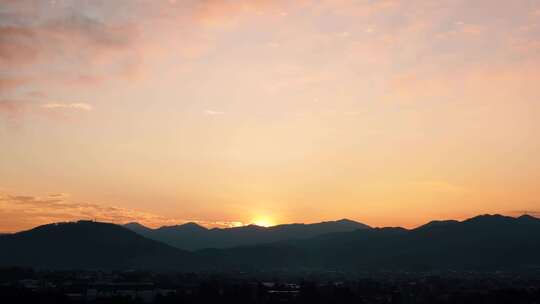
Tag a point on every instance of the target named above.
point(487, 242)
point(191, 236)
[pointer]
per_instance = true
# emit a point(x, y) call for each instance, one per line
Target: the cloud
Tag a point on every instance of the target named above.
point(76, 106)
point(77, 41)
point(25, 211)
point(59, 195)
point(67, 34)
point(213, 113)
point(12, 110)
point(48, 45)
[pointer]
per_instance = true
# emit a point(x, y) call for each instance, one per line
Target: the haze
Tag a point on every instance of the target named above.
point(233, 112)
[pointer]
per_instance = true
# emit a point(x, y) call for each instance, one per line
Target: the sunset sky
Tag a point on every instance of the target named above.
point(388, 112)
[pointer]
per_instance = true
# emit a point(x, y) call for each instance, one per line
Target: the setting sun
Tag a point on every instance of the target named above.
point(263, 222)
point(380, 111)
point(265, 151)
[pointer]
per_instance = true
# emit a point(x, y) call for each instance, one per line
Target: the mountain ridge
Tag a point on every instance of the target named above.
point(88, 244)
point(469, 244)
point(486, 242)
point(192, 236)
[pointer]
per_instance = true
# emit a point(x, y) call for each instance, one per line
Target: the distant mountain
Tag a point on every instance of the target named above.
point(138, 228)
point(483, 242)
point(191, 236)
point(90, 245)
point(433, 224)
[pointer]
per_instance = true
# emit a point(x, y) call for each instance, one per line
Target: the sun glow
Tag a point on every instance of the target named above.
point(263, 222)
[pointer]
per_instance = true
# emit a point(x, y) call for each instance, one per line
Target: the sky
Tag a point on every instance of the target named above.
point(225, 113)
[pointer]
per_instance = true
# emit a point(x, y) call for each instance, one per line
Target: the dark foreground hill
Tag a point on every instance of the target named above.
point(89, 245)
point(192, 236)
point(487, 242)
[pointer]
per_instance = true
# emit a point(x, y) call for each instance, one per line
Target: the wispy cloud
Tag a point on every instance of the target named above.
point(77, 106)
point(12, 110)
point(213, 112)
point(50, 44)
point(20, 212)
point(105, 40)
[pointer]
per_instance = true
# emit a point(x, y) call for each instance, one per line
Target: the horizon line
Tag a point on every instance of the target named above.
point(282, 224)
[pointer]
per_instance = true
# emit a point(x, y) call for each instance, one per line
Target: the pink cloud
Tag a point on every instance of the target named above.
point(87, 43)
point(90, 43)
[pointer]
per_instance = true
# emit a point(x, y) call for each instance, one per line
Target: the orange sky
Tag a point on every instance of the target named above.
point(229, 112)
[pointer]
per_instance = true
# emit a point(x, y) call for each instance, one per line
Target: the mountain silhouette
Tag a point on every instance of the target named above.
point(89, 245)
point(191, 236)
point(483, 242)
point(486, 242)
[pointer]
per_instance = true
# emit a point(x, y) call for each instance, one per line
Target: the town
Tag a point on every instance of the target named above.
point(18, 285)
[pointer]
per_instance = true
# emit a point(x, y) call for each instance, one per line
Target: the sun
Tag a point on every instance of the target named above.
point(263, 222)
